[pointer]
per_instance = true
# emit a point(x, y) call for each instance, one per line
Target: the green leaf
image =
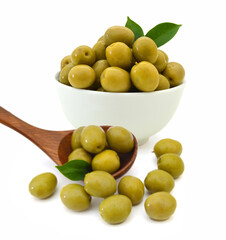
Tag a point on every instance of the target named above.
point(75, 170)
point(137, 30)
point(163, 32)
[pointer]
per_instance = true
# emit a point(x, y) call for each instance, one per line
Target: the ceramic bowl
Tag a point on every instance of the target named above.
point(142, 113)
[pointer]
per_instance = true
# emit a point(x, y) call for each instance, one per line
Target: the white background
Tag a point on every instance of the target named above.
point(35, 36)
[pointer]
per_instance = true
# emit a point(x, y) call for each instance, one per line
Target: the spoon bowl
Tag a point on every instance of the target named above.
point(57, 144)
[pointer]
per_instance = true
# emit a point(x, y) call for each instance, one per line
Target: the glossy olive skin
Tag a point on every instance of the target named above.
point(100, 184)
point(145, 49)
point(161, 61)
point(163, 83)
point(81, 76)
point(43, 185)
point(167, 145)
point(132, 187)
point(93, 139)
point(145, 76)
point(108, 160)
point(175, 73)
point(83, 55)
point(66, 60)
point(99, 67)
point(118, 54)
point(159, 180)
point(75, 197)
point(76, 138)
point(80, 154)
point(115, 79)
point(100, 50)
point(119, 34)
point(115, 209)
point(160, 206)
point(64, 74)
point(166, 56)
point(120, 139)
point(171, 163)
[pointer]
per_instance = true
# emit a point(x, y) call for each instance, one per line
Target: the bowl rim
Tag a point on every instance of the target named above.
point(118, 93)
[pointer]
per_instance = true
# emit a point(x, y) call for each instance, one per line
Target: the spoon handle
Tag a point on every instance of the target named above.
point(11, 121)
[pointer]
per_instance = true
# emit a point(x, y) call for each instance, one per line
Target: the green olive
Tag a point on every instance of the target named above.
point(161, 61)
point(83, 55)
point(120, 139)
point(64, 74)
point(132, 187)
point(175, 73)
point(160, 206)
point(66, 60)
point(118, 54)
point(93, 139)
point(100, 184)
point(99, 49)
point(99, 67)
point(163, 83)
point(80, 154)
point(43, 185)
point(119, 34)
point(81, 76)
point(158, 181)
point(108, 160)
point(115, 79)
point(167, 145)
point(115, 209)
point(145, 76)
point(75, 197)
point(145, 49)
point(171, 163)
point(76, 138)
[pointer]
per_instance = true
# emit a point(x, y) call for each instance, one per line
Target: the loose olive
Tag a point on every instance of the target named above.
point(100, 184)
point(132, 187)
point(43, 185)
point(75, 197)
point(115, 209)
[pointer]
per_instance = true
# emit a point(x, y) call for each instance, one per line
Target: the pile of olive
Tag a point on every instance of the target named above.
point(117, 63)
point(101, 149)
point(115, 208)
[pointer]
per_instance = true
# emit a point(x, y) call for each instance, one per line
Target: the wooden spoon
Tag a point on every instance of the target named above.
point(57, 144)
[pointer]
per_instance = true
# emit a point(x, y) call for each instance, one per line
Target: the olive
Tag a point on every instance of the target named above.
point(175, 73)
point(132, 187)
point(66, 60)
point(99, 49)
point(167, 145)
point(80, 154)
point(118, 54)
point(75, 138)
point(145, 49)
point(145, 76)
point(81, 76)
point(100, 184)
point(108, 160)
point(75, 197)
point(115, 79)
point(93, 139)
point(83, 55)
point(159, 180)
point(64, 74)
point(161, 61)
point(163, 83)
point(172, 163)
point(160, 205)
point(119, 34)
point(120, 139)
point(99, 67)
point(43, 185)
point(115, 209)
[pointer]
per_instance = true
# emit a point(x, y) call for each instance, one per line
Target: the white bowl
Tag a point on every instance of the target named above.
point(143, 113)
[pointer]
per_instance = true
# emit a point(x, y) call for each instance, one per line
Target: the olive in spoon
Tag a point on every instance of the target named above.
point(57, 144)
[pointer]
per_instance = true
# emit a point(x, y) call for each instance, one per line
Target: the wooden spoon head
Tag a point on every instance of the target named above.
point(126, 159)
